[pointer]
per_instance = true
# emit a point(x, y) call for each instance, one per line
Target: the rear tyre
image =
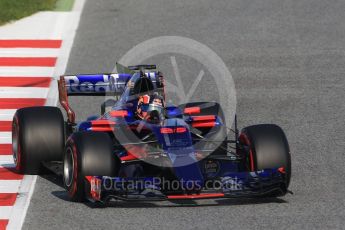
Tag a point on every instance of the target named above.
point(267, 147)
point(37, 136)
point(87, 154)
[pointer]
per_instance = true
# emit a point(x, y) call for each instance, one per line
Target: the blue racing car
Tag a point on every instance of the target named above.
point(142, 148)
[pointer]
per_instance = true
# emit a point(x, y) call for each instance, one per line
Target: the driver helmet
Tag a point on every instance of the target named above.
point(150, 107)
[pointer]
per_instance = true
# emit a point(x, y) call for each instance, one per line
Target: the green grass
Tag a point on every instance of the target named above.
point(64, 5)
point(15, 9)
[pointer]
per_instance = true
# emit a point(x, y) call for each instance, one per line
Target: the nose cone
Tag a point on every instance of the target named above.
point(178, 144)
point(175, 135)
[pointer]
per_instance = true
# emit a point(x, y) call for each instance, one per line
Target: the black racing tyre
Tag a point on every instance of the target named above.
point(37, 136)
point(87, 154)
point(268, 148)
point(216, 140)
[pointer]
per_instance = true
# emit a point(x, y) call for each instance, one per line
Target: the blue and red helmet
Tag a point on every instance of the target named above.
point(148, 105)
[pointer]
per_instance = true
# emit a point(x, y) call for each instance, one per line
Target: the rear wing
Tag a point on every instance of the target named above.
point(94, 85)
point(142, 67)
point(99, 84)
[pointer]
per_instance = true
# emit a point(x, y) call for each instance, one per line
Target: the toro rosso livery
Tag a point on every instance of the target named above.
point(142, 148)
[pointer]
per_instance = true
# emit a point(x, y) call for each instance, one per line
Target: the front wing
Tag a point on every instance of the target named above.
point(230, 185)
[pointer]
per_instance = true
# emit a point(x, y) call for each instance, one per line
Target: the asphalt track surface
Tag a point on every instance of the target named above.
point(287, 60)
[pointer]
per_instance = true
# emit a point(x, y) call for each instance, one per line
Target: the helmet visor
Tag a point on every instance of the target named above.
point(151, 107)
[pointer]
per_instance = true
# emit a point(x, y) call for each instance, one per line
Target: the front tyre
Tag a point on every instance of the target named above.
point(87, 154)
point(267, 147)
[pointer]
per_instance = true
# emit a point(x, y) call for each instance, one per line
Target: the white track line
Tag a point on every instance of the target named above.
point(28, 52)
point(26, 71)
point(9, 186)
point(7, 114)
point(5, 137)
point(6, 161)
point(5, 212)
point(23, 92)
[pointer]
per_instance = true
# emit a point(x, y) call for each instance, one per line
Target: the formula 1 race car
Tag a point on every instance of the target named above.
point(142, 148)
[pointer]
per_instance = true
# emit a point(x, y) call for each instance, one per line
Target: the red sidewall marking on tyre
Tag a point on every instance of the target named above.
point(246, 141)
point(19, 153)
point(72, 191)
